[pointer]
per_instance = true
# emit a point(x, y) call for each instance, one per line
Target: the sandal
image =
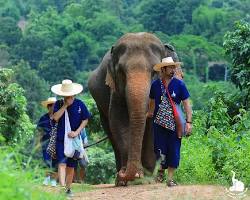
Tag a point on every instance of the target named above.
point(171, 183)
point(160, 176)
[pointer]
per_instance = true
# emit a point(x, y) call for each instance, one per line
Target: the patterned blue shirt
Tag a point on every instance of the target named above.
point(176, 88)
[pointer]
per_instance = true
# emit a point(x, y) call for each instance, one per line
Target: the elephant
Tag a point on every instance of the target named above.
point(120, 85)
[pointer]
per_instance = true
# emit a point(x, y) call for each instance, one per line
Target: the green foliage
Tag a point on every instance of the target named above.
point(35, 88)
point(237, 46)
point(213, 21)
point(4, 55)
point(196, 52)
point(10, 9)
point(166, 16)
point(19, 182)
point(10, 34)
point(79, 45)
point(101, 168)
point(218, 145)
point(15, 124)
point(57, 65)
point(201, 93)
point(196, 165)
point(94, 123)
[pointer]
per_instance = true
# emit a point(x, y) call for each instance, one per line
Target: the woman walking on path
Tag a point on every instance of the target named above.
point(78, 116)
point(44, 126)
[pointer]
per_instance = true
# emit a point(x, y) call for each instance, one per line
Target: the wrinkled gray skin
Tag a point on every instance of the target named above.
point(123, 108)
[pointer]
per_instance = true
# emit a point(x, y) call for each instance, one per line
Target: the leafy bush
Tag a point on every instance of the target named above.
point(101, 168)
point(15, 123)
point(18, 182)
point(196, 165)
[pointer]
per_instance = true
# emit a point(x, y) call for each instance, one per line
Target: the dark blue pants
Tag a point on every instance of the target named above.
point(167, 143)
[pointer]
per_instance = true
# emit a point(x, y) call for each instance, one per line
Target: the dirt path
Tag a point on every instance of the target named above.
point(156, 192)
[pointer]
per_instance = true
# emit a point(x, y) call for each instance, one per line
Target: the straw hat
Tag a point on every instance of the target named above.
point(50, 100)
point(168, 61)
point(67, 88)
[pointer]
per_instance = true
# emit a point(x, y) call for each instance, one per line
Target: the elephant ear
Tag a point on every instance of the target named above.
point(170, 51)
point(109, 81)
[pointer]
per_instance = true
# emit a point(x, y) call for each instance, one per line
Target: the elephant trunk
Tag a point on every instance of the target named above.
point(137, 91)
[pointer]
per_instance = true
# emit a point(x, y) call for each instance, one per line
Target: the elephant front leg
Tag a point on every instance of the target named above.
point(119, 126)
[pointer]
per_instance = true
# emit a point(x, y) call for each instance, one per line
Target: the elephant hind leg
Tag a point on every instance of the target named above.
point(148, 155)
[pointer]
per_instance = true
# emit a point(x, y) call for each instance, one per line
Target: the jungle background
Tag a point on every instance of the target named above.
point(45, 41)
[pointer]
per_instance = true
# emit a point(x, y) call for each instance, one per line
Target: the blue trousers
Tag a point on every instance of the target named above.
point(168, 144)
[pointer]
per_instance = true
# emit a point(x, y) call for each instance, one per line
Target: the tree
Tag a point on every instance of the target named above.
point(195, 52)
point(35, 88)
point(4, 55)
point(212, 23)
point(167, 16)
point(31, 49)
point(80, 45)
point(56, 65)
point(10, 34)
point(237, 46)
point(15, 124)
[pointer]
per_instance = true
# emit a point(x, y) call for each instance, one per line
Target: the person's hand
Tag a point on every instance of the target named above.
point(149, 115)
point(188, 129)
point(72, 134)
point(68, 101)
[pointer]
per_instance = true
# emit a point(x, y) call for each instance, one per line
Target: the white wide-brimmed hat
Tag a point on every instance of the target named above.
point(50, 100)
point(168, 61)
point(67, 88)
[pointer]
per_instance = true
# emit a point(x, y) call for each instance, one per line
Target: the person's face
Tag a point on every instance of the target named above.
point(168, 70)
point(69, 99)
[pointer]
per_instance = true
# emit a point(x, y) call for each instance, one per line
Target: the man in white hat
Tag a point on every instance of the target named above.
point(44, 127)
point(78, 116)
point(167, 140)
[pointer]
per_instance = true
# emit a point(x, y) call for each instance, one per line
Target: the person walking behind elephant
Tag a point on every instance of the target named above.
point(44, 127)
point(77, 113)
point(166, 141)
point(179, 73)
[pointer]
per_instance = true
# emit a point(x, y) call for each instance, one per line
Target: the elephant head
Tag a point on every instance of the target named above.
point(129, 75)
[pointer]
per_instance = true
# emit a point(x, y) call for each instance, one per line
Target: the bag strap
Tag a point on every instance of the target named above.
point(163, 88)
point(175, 112)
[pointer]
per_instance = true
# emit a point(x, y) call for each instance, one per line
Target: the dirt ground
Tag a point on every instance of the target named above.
point(157, 192)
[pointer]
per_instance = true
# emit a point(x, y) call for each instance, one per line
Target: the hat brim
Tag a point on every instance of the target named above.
point(76, 89)
point(158, 66)
point(46, 103)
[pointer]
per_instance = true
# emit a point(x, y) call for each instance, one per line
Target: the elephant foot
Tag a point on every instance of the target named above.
point(119, 182)
point(139, 174)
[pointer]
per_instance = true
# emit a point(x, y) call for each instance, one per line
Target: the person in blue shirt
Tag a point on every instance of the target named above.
point(166, 142)
point(44, 126)
point(78, 118)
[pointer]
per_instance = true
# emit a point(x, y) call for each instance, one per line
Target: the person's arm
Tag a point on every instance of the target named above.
point(188, 111)
point(58, 114)
point(151, 108)
point(73, 134)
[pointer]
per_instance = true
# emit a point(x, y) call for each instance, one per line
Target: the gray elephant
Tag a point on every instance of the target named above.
point(120, 86)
